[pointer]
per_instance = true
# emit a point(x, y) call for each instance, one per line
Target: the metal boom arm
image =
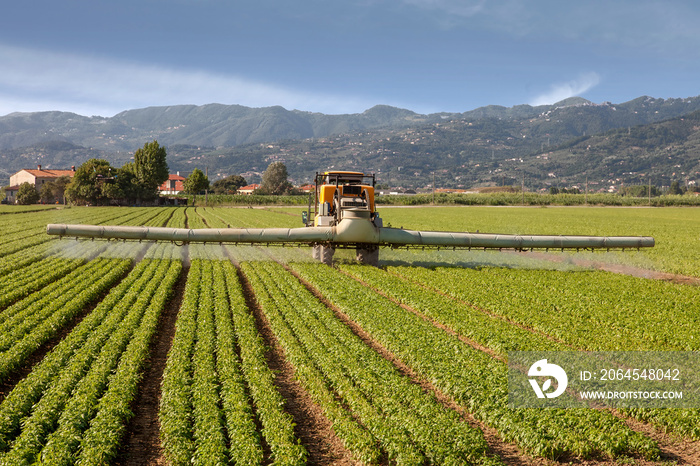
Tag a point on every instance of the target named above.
point(352, 232)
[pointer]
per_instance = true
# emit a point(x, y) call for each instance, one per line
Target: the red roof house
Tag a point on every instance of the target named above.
point(174, 185)
point(39, 176)
point(36, 177)
point(250, 189)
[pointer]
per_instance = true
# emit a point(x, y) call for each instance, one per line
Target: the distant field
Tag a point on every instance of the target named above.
point(122, 353)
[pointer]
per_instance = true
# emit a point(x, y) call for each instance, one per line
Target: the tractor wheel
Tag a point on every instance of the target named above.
point(327, 254)
point(316, 252)
point(369, 256)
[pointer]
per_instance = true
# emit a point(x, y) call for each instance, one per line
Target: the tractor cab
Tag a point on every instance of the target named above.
point(340, 194)
point(344, 195)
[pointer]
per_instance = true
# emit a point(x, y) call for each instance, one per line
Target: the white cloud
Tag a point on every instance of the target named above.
point(34, 80)
point(561, 91)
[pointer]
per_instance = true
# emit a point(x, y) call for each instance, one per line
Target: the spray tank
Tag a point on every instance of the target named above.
point(342, 214)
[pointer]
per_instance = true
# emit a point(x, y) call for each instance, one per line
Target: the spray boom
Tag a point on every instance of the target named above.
point(344, 216)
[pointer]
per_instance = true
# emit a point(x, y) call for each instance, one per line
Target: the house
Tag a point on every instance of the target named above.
point(37, 177)
point(250, 189)
point(174, 185)
point(307, 188)
point(11, 194)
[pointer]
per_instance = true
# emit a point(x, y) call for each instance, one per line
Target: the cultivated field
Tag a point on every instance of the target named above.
point(130, 353)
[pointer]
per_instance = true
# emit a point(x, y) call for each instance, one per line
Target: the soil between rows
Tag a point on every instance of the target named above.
point(312, 427)
point(141, 446)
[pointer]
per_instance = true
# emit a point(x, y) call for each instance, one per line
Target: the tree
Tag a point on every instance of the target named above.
point(229, 185)
point(196, 182)
point(640, 190)
point(274, 180)
point(53, 191)
point(91, 183)
point(46, 193)
point(59, 186)
point(675, 188)
point(27, 194)
point(150, 168)
point(129, 185)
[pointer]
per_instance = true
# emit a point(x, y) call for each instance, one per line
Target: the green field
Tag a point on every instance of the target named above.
point(258, 355)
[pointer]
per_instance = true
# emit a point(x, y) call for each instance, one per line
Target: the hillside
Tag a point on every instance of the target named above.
point(479, 147)
point(664, 151)
point(207, 125)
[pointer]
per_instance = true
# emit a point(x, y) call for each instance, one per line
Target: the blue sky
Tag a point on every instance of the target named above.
point(98, 57)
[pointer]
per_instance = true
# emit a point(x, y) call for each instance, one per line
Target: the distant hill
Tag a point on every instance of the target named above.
point(218, 125)
point(212, 125)
point(464, 149)
point(664, 152)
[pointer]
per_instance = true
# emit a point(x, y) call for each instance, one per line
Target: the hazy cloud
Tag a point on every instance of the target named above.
point(659, 26)
point(462, 8)
point(561, 91)
point(35, 80)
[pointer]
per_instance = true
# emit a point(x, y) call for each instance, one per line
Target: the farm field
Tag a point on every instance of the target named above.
point(141, 353)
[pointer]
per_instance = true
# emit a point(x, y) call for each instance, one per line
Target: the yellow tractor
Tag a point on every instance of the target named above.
point(343, 195)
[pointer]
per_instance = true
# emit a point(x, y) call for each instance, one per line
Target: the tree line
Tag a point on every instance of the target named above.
point(96, 182)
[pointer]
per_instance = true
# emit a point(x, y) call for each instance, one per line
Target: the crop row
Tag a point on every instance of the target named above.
point(162, 218)
point(74, 404)
point(19, 241)
point(212, 219)
point(277, 424)
point(474, 379)
point(216, 372)
point(628, 313)
point(29, 323)
point(497, 334)
point(19, 209)
point(386, 413)
point(21, 282)
point(24, 222)
point(22, 258)
point(101, 441)
point(14, 316)
point(178, 218)
point(194, 220)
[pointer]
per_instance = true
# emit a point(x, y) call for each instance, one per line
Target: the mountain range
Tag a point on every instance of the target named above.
point(486, 146)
